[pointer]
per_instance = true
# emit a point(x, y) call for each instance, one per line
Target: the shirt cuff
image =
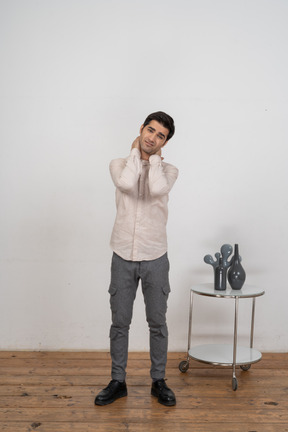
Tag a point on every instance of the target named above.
point(135, 152)
point(155, 159)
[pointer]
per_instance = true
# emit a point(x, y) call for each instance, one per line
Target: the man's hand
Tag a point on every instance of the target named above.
point(159, 152)
point(136, 143)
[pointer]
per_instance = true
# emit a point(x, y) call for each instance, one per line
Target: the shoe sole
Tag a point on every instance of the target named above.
point(167, 403)
point(109, 401)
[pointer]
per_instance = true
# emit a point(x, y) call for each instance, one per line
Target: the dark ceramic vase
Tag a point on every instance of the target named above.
point(236, 273)
point(220, 276)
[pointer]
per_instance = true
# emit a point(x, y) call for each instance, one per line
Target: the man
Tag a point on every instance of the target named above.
point(139, 246)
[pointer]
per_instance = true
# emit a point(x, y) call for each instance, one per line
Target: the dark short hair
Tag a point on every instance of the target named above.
point(164, 119)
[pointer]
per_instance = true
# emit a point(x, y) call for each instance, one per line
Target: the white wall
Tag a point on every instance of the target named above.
point(77, 79)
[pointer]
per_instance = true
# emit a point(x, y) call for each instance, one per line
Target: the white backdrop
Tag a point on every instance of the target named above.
point(77, 79)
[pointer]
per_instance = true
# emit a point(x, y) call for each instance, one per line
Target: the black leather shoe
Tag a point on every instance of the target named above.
point(113, 391)
point(165, 394)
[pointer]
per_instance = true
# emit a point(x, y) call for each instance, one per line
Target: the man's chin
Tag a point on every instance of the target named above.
point(149, 152)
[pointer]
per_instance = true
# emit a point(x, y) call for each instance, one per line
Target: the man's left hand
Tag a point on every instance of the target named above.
point(159, 153)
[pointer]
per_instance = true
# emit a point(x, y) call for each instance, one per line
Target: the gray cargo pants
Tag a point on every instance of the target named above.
point(125, 276)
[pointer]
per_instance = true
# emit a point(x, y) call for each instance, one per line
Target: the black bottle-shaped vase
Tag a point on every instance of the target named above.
point(236, 273)
point(220, 276)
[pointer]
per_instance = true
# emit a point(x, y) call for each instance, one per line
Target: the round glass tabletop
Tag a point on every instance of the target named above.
point(247, 291)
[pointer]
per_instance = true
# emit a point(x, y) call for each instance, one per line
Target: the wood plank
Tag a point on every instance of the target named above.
point(47, 360)
point(141, 415)
point(186, 380)
point(180, 390)
point(140, 372)
point(96, 371)
point(132, 363)
point(138, 427)
point(282, 357)
point(143, 398)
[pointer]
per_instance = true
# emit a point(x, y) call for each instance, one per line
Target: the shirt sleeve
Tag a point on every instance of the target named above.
point(161, 177)
point(125, 172)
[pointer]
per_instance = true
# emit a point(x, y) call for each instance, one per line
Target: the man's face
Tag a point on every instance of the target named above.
point(153, 137)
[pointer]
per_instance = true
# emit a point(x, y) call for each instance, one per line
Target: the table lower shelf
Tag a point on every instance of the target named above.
point(222, 354)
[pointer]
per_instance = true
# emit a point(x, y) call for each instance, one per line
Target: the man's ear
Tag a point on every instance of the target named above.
point(141, 128)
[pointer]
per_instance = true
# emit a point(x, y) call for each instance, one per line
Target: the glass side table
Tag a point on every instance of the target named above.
point(224, 354)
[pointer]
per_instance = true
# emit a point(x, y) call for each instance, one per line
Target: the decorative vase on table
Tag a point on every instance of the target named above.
point(236, 273)
point(220, 276)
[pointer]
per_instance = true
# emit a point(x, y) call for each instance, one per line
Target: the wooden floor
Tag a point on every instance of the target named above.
point(55, 391)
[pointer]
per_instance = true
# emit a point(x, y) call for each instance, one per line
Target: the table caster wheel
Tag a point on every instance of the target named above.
point(245, 367)
point(234, 384)
point(183, 366)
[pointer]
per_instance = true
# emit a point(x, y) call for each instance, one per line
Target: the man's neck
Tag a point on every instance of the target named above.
point(144, 156)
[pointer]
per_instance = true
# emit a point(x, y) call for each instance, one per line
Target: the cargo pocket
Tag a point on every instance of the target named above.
point(113, 299)
point(164, 331)
point(113, 333)
point(166, 288)
point(112, 290)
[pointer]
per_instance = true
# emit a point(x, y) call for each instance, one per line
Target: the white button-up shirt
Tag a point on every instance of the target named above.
point(142, 187)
